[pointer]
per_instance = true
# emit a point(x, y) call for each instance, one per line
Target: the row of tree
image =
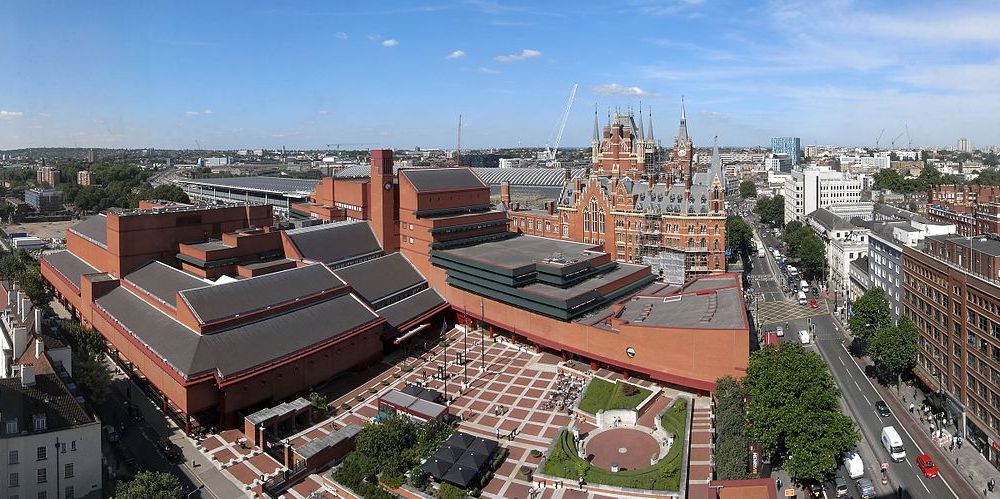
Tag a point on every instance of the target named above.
point(730, 430)
point(20, 267)
point(739, 237)
point(793, 411)
point(807, 248)
point(115, 186)
point(771, 210)
point(748, 189)
point(894, 181)
point(891, 345)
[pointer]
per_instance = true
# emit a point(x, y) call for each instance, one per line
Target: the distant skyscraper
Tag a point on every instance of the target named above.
point(964, 145)
point(789, 146)
point(47, 175)
point(83, 177)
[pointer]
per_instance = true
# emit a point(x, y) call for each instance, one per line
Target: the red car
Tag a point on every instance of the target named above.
point(813, 303)
point(927, 466)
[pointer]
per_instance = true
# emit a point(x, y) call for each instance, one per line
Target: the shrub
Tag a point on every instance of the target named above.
point(418, 478)
point(385, 382)
point(629, 389)
point(449, 491)
point(392, 479)
point(372, 390)
point(407, 368)
point(535, 453)
point(359, 397)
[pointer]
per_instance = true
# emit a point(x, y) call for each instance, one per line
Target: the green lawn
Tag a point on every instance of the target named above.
point(664, 475)
point(602, 394)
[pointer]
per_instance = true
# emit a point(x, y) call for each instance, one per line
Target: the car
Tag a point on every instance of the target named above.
point(170, 450)
point(136, 413)
point(813, 303)
point(815, 489)
point(865, 489)
point(882, 409)
point(841, 486)
point(110, 433)
point(815, 291)
point(927, 466)
point(780, 331)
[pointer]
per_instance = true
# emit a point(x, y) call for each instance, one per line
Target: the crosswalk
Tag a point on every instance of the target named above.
point(776, 312)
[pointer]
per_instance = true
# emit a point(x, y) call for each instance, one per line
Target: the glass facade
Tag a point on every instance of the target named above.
point(789, 146)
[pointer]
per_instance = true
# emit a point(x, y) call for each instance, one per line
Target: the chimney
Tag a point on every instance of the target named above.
point(505, 193)
point(27, 375)
point(39, 348)
point(25, 309)
point(38, 320)
point(567, 174)
point(550, 207)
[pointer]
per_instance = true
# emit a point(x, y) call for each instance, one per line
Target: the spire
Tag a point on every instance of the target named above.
point(597, 129)
point(716, 168)
point(682, 131)
point(641, 134)
point(650, 137)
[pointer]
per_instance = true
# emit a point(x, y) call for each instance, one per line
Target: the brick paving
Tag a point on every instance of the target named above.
point(509, 396)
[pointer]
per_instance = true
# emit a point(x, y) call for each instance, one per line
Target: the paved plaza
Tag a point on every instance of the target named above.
point(511, 401)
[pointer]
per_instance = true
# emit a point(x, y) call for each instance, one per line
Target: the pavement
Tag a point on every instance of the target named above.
point(858, 395)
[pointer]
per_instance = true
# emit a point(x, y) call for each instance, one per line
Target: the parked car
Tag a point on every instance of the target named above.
point(882, 409)
point(110, 433)
point(865, 489)
point(841, 486)
point(927, 466)
point(780, 331)
point(815, 489)
point(170, 450)
point(813, 303)
point(136, 413)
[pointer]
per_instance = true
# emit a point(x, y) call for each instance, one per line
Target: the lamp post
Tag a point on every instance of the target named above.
point(195, 490)
point(58, 482)
point(482, 334)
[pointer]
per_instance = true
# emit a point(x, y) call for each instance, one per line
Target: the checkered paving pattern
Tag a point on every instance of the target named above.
point(776, 312)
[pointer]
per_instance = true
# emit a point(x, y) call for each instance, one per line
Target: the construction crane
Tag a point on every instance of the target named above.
point(879, 138)
point(893, 143)
point(909, 140)
point(550, 154)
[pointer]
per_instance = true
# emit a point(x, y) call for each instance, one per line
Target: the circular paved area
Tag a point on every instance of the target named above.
point(627, 447)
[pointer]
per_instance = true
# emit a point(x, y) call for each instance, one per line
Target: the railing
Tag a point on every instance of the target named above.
point(275, 485)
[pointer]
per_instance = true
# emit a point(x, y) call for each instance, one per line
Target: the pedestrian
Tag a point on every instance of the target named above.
point(911, 407)
point(951, 446)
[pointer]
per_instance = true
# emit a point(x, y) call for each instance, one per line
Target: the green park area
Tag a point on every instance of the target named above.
point(564, 461)
point(602, 394)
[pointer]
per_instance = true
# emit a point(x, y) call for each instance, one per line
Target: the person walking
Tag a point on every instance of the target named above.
point(911, 407)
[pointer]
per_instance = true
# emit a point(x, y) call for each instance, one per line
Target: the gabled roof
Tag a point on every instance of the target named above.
point(163, 281)
point(407, 309)
point(223, 301)
point(93, 228)
point(830, 221)
point(48, 396)
point(69, 265)
point(442, 179)
point(332, 243)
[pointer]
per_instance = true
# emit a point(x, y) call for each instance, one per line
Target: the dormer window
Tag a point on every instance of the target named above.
point(40, 422)
point(11, 426)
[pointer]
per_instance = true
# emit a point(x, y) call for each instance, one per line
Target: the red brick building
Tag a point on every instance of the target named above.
point(973, 209)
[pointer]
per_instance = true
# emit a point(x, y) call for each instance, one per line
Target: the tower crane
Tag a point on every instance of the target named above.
point(550, 154)
point(909, 140)
point(893, 143)
point(879, 138)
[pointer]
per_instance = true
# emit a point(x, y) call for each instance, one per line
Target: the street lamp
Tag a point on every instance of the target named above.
point(195, 490)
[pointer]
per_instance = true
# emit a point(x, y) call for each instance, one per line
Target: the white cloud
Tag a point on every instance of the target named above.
point(616, 89)
point(11, 114)
point(664, 7)
point(392, 42)
point(44, 115)
point(489, 71)
point(525, 54)
point(208, 111)
point(323, 112)
point(341, 35)
point(191, 113)
point(458, 54)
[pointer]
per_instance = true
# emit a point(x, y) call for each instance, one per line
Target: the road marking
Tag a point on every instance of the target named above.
point(855, 361)
point(857, 385)
point(866, 399)
point(842, 362)
point(921, 480)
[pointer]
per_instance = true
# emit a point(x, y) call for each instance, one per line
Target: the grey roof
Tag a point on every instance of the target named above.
point(860, 263)
point(164, 281)
point(442, 179)
point(239, 348)
point(895, 213)
point(295, 187)
point(523, 250)
point(47, 396)
point(830, 221)
point(94, 228)
point(69, 265)
point(379, 278)
point(210, 245)
point(282, 409)
point(332, 243)
point(313, 447)
point(532, 177)
point(721, 309)
point(405, 310)
point(267, 264)
point(585, 286)
point(416, 405)
point(980, 244)
point(222, 301)
point(655, 198)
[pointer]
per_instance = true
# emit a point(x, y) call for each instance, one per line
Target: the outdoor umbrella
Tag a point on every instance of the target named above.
point(436, 468)
point(472, 460)
point(449, 453)
point(483, 446)
point(460, 439)
point(460, 476)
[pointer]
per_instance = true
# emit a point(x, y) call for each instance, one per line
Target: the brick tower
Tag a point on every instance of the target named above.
point(383, 200)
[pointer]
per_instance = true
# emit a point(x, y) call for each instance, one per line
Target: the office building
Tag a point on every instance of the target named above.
point(964, 145)
point(845, 242)
point(811, 188)
point(789, 146)
point(951, 292)
point(47, 176)
point(778, 162)
point(44, 200)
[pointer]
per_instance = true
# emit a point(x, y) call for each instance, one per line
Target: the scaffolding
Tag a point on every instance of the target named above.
point(668, 264)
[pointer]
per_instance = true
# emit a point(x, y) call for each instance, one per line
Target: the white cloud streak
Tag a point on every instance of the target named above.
point(616, 89)
point(457, 54)
point(11, 114)
point(392, 42)
point(341, 35)
point(489, 71)
point(525, 54)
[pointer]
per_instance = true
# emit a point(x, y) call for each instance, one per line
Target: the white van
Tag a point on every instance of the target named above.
point(893, 444)
point(804, 285)
point(802, 298)
point(804, 337)
point(854, 465)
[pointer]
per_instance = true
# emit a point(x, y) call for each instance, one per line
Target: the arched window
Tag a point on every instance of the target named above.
point(704, 243)
point(715, 246)
point(690, 242)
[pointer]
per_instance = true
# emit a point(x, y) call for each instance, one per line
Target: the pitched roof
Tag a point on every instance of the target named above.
point(379, 278)
point(830, 221)
point(442, 179)
point(222, 301)
point(163, 281)
point(49, 396)
point(336, 242)
point(69, 265)
point(239, 348)
point(407, 309)
point(278, 185)
point(94, 228)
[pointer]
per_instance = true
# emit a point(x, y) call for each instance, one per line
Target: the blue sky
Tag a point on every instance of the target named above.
point(369, 74)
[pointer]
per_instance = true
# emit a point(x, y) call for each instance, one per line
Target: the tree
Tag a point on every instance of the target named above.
point(771, 210)
point(748, 189)
point(738, 237)
point(812, 256)
point(94, 376)
point(988, 176)
point(449, 491)
point(730, 425)
point(991, 160)
point(320, 405)
point(894, 348)
point(167, 192)
point(33, 284)
point(794, 408)
point(150, 485)
point(870, 313)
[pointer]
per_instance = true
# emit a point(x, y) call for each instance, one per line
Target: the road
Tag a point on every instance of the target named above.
point(858, 393)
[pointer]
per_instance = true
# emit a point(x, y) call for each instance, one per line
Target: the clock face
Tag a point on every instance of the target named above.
point(682, 152)
point(388, 186)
